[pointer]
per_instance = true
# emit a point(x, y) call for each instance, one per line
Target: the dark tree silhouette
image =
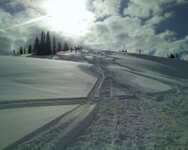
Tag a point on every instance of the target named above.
point(176, 55)
point(54, 45)
point(36, 46)
point(66, 47)
point(59, 48)
point(42, 44)
point(47, 48)
point(139, 51)
point(71, 49)
point(21, 51)
point(14, 52)
point(24, 51)
point(30, 49)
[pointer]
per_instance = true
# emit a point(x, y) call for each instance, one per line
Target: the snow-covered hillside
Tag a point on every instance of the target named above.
point(143, 105)
point(30, 78)
point(18, 122)
point(138, 101)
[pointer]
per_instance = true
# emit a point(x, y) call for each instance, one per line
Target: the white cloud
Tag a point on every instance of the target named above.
point(151, 8)
point(116, 31)
point(106, 7)
point(113, 32)
point(142, 8)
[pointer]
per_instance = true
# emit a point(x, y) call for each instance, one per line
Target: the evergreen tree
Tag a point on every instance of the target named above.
point(54, 45)
point(173, 55)
point(21, 50)
point(59, 48)
point(30, 49)
point(24, 51)
point(48, 49)
point(42, 46)
point(71, 49)
point(36, 47)
point(14, 52)
point(66, 47)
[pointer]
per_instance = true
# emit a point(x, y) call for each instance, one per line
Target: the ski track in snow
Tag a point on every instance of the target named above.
point(63, 128)
point(137, 119)
point(125, 118)
point(60, 132)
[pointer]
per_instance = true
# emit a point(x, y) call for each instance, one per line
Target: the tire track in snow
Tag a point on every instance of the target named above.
point(42, 102)
point(58, 133)
point(125, 122)
point(95, 91)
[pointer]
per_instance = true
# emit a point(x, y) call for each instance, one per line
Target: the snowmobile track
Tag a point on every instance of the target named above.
point(42, 102)
point(58, 133)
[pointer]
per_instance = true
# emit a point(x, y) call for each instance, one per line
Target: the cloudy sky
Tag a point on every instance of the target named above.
point(157, 27)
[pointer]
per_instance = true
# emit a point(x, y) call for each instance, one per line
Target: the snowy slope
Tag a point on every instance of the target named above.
point(148, 73)
point(140, 102)
point(30, 78)
point(18, 122)
point(143, 104)
point(154, 65)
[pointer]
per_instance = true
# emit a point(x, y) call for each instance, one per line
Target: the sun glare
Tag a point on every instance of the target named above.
point(69, 16)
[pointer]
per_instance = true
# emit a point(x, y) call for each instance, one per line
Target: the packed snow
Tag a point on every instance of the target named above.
point(135, 81)
point(18, 122)
point(138, 101)
point(143, 104)
point(153, 65)
point(31, 78)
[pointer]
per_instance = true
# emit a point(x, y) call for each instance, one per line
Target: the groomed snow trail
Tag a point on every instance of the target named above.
point(59, 132)
point(133, 116)
point(126, 112)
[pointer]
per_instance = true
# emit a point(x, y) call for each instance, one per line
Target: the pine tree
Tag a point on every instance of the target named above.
point(24, 51)
point(66, 47)
point(21, 50)
point(42, 47)
point(14, 52)
point(48, 49)
point(54, 45)
point(30, 49)
point(59, 48)
point(36, 47)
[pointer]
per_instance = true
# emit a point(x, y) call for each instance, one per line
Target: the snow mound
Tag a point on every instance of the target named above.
point(131, 79)
point(18, 122)
point(31, 78)
point(154, 65)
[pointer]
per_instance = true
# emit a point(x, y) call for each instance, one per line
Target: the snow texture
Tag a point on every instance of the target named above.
point(138, 102)
point(143, 104)
point(31, 78)
point(18, 122)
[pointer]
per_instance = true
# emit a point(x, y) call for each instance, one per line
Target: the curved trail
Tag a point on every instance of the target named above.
point(41, 102)
point(135, 119)
point(60, 132)
point(132, 119)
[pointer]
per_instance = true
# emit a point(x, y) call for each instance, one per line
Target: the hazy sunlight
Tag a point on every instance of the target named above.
point(69, 16)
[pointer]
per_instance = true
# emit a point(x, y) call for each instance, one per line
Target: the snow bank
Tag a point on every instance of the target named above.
point(77, 126)
point(60, 132)
point(18, 122)
point(32, 78)
point(147, 85)
point(155, 65)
